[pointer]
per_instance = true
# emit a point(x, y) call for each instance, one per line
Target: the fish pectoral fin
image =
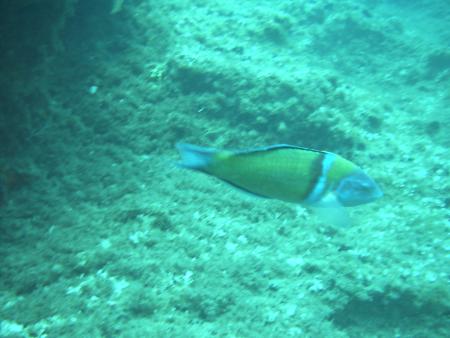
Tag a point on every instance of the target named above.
point(328, 201)
point(332, 212)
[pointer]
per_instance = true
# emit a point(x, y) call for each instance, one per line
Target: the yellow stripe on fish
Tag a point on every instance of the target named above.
point(285, 172)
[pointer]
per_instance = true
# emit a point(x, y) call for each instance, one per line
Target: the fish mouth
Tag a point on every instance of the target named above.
point(377, 192)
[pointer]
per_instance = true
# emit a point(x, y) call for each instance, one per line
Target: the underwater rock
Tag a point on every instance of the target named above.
point(12, 180)
point(437, 63)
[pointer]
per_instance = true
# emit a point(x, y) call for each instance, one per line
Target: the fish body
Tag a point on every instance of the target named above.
point(286, 172)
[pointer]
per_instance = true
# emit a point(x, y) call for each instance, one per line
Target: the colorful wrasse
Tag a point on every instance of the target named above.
point(285, 172)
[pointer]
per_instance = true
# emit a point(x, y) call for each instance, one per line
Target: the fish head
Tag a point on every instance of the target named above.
point(357, 188)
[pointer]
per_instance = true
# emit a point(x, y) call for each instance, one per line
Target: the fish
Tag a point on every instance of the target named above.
point(286, 172)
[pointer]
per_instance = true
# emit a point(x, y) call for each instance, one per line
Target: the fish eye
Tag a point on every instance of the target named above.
point(365, 185)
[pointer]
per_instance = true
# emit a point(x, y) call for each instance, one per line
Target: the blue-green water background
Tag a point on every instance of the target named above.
point(101, 236)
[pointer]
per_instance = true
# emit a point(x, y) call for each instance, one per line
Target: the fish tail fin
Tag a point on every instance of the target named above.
point(195, 157)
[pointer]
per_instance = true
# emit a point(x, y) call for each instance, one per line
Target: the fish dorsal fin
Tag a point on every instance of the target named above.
point(275, 147)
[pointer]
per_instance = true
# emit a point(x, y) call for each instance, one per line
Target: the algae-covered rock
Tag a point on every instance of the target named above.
point(110, 238)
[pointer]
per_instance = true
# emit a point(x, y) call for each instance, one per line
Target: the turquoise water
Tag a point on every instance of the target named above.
point(103, 236)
